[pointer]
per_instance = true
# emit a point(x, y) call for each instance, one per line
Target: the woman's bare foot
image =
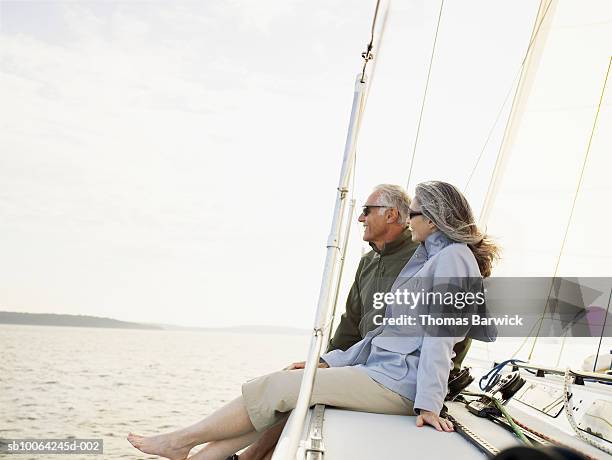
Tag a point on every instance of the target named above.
point(163, 445)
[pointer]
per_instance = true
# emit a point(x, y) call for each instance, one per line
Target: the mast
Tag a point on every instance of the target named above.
point(288, 445)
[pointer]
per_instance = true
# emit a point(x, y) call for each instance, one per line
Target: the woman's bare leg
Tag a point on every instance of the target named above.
point(231, 421)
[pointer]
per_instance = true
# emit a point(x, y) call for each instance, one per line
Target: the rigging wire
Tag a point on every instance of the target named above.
point(433, 52)
point(603, 327)
point(525, 340)
point(367, 54)
point(561, 349)
point(574, 201)
point(507, 97)
point(501, 153)
point(371, 54)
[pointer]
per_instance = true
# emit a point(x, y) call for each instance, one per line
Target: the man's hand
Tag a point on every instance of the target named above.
point(431, 418)
point(300, 365)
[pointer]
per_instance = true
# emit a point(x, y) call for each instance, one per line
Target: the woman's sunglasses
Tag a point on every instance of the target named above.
point(412, 214)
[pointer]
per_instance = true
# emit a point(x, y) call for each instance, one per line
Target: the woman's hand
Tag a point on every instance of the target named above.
point(301, 365)
point(431, 418)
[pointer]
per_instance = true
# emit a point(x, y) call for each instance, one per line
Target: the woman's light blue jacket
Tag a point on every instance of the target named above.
point(406, 360)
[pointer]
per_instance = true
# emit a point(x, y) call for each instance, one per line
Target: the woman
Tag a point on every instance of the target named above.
point(393, 370)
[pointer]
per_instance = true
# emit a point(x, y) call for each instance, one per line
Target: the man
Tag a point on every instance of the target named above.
point(384, 218)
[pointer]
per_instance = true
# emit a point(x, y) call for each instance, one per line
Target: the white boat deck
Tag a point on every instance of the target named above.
point(349, 435)
point(360, 435)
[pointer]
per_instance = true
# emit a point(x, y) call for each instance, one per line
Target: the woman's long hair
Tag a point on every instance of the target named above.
point(446, 206)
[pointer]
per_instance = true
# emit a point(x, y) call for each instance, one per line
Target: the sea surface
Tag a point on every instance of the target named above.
point(59, 382)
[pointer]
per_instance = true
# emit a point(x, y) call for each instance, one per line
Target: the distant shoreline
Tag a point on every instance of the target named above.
point(62, 320)
point(52, 319)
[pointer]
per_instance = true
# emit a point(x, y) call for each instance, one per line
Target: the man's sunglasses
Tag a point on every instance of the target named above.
point(367, 209)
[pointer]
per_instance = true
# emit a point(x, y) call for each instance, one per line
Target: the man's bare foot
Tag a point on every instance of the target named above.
point(163, 445)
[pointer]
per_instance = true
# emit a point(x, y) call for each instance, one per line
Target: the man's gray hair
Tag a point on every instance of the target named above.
point(396, 197)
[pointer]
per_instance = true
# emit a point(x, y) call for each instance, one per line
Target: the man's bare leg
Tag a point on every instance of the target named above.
point(221, 450)
point(265, 444)
point(268, 456)
point(230, 421)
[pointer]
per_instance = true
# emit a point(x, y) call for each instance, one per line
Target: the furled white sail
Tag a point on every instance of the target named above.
point(560, 125)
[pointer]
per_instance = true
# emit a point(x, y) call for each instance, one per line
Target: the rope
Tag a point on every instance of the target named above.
point(570, 415)
point(518, 424)
point(513, 425)
point(551, 440)
point(569, 221)
point(486, 379)
point(416, 139)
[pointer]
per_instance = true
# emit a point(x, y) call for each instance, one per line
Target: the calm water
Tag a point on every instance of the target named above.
point(58, 382)
point(101, 383)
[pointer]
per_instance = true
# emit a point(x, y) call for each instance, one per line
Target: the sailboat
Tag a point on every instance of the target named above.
point(549, 173)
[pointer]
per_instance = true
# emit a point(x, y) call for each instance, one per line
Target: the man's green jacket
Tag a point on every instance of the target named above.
point(376, 272)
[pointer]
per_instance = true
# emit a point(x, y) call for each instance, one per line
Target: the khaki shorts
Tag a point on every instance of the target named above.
point(268, 397)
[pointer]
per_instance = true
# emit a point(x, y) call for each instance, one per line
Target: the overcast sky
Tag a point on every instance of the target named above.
point(177, 161)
